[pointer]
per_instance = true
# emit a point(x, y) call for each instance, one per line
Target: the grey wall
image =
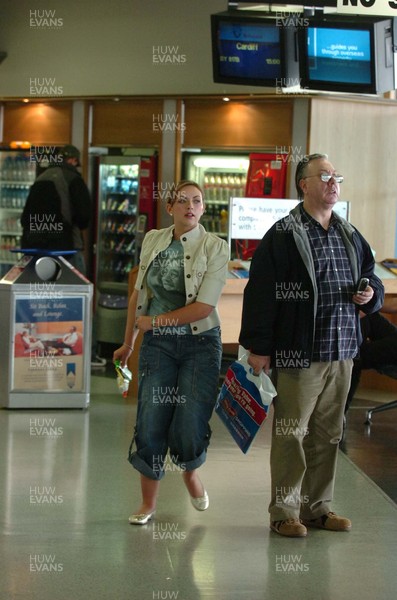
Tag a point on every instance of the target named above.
point(101, 47)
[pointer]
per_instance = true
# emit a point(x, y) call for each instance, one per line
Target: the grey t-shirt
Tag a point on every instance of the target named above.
point(166, 280)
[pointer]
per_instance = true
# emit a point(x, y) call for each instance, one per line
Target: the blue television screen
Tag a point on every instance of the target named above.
point(249, 50)
point(340, 55)
point(346, 54)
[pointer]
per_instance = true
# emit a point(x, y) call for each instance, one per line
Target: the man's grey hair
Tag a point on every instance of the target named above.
point(301, 170)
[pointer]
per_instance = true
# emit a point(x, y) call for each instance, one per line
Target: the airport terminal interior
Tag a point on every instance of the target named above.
point(68, 492)
point(150, 92)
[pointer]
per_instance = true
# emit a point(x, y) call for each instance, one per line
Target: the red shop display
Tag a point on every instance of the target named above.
point(267, 174)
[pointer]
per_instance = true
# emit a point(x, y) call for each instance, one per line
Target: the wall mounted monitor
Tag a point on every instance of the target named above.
point(251, 49)
point(339, 54)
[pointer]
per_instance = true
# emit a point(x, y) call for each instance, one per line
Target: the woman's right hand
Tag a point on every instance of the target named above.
point(122, 354)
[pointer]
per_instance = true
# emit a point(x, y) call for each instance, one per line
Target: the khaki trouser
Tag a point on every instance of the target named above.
point(307, 428)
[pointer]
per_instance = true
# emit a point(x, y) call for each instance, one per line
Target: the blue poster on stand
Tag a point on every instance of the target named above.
point(48, 342)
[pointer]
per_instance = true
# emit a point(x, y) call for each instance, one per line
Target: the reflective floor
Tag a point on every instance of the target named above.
point(68, 491)
point(373, 448)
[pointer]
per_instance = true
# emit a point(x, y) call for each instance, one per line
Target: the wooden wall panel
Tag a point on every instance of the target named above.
point(251, 125)
point(38, 123)
point(129, 122)
point(360, 139)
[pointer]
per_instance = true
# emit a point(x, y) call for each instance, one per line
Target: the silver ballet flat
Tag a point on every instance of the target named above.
point(141, 519)
point(201, 503)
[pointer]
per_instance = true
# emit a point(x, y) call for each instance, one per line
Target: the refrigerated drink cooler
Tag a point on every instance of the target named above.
point(45, 328)
point(17, 173)
point(222, 176)
point(125, 212)
point(226, 176)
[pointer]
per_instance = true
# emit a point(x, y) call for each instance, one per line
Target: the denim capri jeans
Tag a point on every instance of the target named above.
point(178, 385)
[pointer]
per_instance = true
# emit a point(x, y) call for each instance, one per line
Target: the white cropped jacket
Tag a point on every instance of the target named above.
point(206, 261)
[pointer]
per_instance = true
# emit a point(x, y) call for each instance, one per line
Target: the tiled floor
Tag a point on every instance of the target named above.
point(68, 491)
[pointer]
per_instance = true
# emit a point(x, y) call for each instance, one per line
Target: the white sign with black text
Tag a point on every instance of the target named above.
point(381, 8)
point(251, 218)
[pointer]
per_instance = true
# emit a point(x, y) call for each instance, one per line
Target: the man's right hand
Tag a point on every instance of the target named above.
point(258, 363)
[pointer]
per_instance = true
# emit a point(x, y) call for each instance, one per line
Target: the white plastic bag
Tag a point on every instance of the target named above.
point(265, 385)
point(124, 378)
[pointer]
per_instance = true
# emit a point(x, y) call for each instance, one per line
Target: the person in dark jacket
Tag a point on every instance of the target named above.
point(58, 208)
point(300, 318)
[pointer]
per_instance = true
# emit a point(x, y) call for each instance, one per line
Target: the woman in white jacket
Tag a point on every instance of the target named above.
point(182, 272)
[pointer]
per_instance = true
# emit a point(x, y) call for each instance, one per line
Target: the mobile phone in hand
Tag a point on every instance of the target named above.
point(362, 285)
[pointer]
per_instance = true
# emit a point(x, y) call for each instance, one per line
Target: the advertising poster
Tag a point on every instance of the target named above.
point(48, 341)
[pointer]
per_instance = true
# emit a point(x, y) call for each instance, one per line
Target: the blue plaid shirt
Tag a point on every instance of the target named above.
point(335, 335)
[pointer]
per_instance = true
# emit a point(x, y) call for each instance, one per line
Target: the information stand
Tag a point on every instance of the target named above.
point(45, 328)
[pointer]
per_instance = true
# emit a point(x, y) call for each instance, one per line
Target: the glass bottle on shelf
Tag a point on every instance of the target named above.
point(206, 188)
point(231, 181)
point(224, 216)
point(243, 183)
point(215, 218)
point(218, 188)
point(210, 217)
point(225, 187)
point(212, 187)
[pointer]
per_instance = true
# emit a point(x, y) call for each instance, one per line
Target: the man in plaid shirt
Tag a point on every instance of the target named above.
point(300, 318)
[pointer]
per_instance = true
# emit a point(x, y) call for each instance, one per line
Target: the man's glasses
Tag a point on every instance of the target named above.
point(325, 177)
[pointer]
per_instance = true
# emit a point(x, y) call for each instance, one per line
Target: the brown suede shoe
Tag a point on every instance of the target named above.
point(289, 528)
point(329, 521)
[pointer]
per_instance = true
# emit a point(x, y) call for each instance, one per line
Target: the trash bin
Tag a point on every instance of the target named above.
point(111, 313)
point(45, 332)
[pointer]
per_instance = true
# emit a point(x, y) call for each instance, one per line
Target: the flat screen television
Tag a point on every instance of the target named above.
point(251, 49)
point(341, 54)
